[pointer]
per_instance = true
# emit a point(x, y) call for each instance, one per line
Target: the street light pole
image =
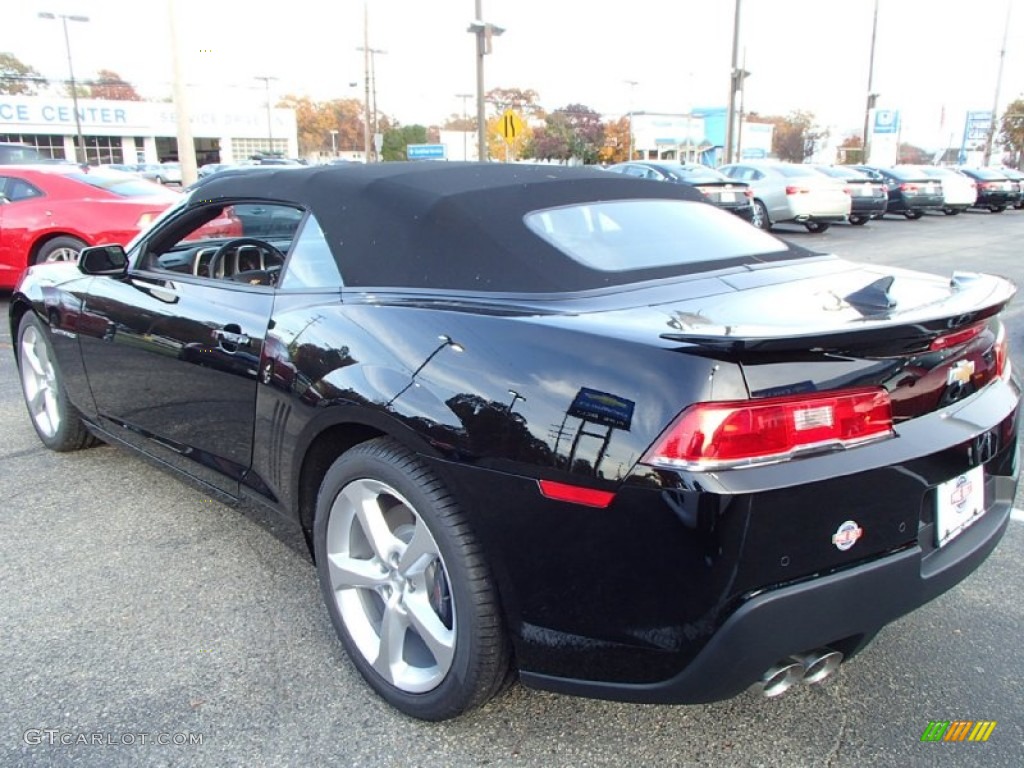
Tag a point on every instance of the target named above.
point(372, 82)
point(465, 120)
point(730, 128)
point(270, 130)
point(334, 142)
point(80, 155)
point(999, 83)
point(872, 96)
point(632, 92)
point(484, 33)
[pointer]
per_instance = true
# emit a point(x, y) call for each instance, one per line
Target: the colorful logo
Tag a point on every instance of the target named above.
point(847, 535)
point(958, 730)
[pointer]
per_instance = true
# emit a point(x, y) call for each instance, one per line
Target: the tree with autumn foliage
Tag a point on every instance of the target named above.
point(574, 131)
point(1011, 132)
point(522, 100)
point(315, 120)
point(18, 78)
point(616, 142)
point(110, 85)
point(796, 136)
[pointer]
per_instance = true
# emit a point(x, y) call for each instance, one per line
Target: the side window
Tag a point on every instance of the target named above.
point(17, 189)
point(311, 264)
point(241, 243)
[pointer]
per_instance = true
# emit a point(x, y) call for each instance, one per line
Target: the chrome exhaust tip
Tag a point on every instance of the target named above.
point(819, 664)
point(781, 676)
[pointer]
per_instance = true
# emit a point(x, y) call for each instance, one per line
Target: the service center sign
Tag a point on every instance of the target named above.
point(32, 114)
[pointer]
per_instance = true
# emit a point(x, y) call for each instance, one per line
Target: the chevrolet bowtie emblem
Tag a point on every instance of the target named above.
point(961, 372)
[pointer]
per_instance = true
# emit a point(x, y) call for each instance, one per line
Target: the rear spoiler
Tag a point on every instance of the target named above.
point(883, 330)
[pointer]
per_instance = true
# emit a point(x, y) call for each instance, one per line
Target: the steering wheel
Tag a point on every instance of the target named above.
point(266, 249)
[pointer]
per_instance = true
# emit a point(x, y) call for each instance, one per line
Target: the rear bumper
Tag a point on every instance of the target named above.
point(844, 609)
point(868, 206)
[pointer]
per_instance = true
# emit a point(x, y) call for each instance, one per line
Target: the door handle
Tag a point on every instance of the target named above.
point(230, 340)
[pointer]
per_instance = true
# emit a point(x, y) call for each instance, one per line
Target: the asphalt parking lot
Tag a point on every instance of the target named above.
point(138, 611)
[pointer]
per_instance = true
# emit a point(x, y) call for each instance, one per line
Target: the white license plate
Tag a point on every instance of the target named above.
point(727, 197)
point(959, 503)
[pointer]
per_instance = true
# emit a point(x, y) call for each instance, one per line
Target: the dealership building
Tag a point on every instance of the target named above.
point(145, 131)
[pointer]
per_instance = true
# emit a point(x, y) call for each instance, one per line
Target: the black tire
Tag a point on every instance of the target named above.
point(57, 422)
point(445, 594)
point(858, 221)
point(913, 215)
point(951, 211)
point(760, 216)
point(997, 208)
point(817, 227)
point(59, 249)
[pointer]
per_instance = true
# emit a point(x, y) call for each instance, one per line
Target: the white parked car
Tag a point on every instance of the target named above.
point(790, 192)
point(959, 192)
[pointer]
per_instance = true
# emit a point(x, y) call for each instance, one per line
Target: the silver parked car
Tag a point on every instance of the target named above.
point(959, 192)
point(786, 192)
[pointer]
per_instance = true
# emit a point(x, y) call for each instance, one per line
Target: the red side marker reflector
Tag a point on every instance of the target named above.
point(958, 337)
point(575, 494)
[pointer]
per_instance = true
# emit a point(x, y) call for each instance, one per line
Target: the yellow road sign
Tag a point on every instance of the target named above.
point(511, 125)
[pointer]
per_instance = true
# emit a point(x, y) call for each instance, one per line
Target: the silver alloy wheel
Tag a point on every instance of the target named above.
point(39, 382)
point(391, 585)
point(62, 254)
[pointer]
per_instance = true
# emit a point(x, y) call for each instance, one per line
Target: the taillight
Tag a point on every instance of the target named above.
point(790, 190)
point(908, 187)
point(885, 189)
point(847, 190)
point(748, 192)
point(719, 435)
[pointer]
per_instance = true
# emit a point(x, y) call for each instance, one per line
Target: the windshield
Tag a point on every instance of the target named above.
point(122, 184)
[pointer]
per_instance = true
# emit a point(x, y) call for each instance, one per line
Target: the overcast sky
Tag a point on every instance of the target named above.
point(934, 58)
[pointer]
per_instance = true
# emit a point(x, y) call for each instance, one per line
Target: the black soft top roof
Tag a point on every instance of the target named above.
point(446, 225)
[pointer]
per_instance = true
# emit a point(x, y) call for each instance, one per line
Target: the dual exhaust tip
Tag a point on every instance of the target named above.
point(811, 667)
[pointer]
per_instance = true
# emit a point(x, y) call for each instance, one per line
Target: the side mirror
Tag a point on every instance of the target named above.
point(3, 199)
point(103, 260)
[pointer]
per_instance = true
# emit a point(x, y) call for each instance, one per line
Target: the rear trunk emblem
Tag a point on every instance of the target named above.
point(961, 372)
point(847, 535)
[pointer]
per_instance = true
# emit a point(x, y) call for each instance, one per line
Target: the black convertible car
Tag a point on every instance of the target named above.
point(559, 421)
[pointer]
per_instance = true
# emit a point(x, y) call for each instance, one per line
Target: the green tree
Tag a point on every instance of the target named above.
point(1012, 130)
point(397, 138)
point(18, 78)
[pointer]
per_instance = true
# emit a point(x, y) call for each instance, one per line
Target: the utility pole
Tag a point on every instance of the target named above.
point(270, 126)
point(465, 122)
point(484, 33)
point(372, 80)
point(730, 129)
point(999, 83)
point(366, 83)
point(872, 96)
point(186, 145)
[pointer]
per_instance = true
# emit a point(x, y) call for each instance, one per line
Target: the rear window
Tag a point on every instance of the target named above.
point(629, 235)
point(985, 173)
point(795, 171)
point(122, 184)
point(702, 174)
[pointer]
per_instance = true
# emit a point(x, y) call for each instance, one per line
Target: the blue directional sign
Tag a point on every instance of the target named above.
point(426, 152)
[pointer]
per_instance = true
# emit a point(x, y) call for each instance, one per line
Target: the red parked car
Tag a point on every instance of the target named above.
point(51, 212)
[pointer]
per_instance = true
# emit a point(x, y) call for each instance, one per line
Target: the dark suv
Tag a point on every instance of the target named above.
point(20, 154)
